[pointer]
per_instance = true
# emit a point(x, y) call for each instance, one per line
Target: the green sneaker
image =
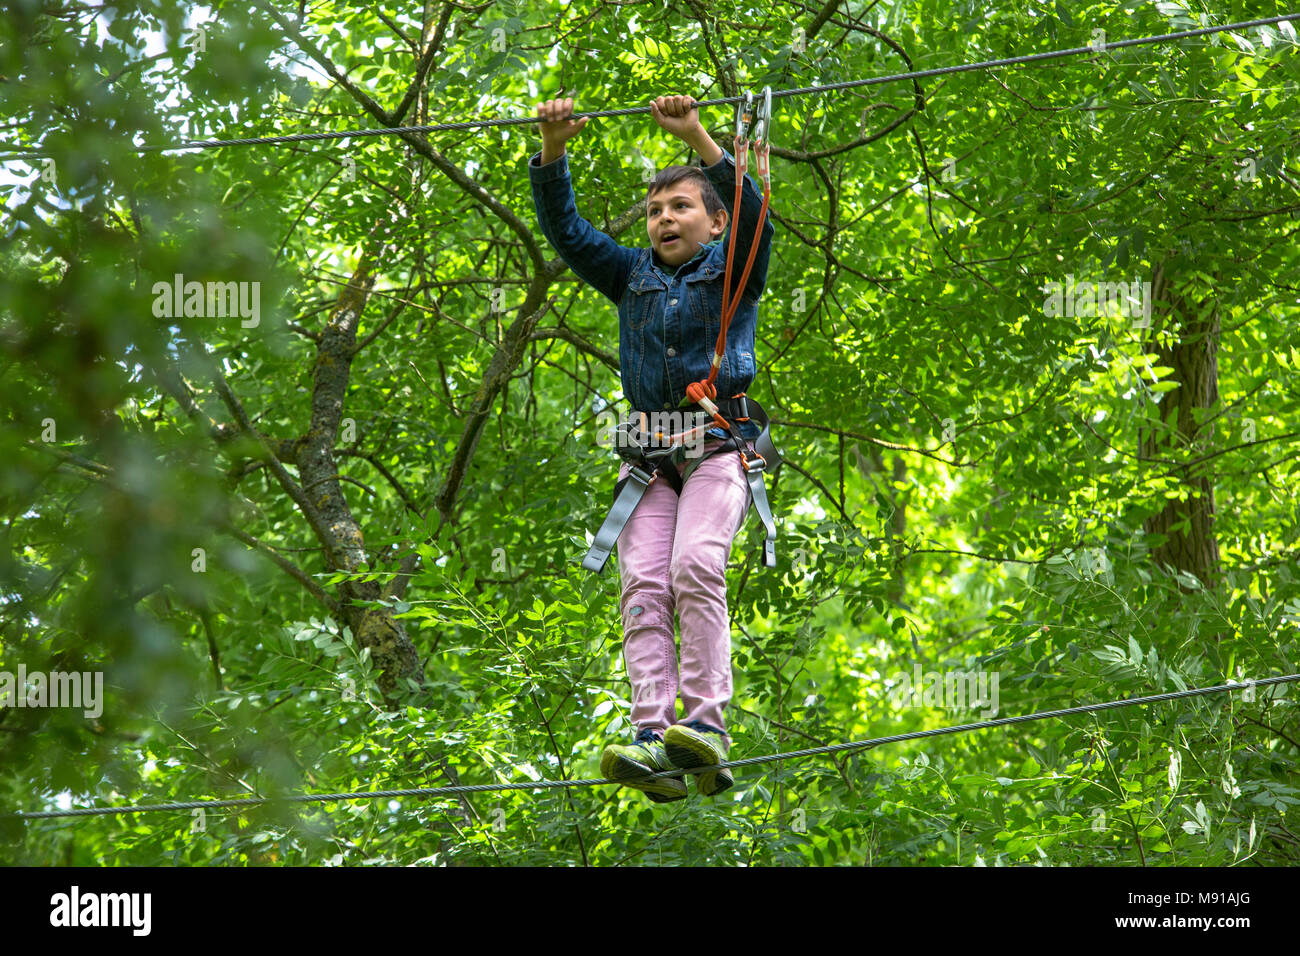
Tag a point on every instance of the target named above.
point(628, 765)
point(698, 745)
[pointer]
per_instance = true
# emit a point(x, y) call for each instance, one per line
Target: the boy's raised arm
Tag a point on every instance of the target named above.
point(593, 256)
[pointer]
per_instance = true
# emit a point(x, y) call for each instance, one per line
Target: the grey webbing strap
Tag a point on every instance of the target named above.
point(754, 473)
point(637, 481)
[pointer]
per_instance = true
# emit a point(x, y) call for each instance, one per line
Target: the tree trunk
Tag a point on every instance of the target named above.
point(1190, 346)
point(390, 646)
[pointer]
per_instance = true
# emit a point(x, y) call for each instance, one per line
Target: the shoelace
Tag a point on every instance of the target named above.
point(702, 727)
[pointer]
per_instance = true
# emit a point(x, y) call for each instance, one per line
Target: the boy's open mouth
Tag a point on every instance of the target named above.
point(668, 238)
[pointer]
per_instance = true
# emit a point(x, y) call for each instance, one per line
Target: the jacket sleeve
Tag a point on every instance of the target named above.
point(723, 176)
point(593, 256)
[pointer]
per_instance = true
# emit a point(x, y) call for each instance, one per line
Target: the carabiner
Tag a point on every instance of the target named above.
point(744, 116)
point(764, 120)
point(762, 145)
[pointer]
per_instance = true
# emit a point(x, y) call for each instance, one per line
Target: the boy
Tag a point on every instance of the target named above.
point(673, 551)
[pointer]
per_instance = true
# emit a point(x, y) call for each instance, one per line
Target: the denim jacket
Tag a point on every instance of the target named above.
point(668, 318)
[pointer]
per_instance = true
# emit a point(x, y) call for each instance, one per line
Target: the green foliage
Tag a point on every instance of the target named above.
point(978, 507)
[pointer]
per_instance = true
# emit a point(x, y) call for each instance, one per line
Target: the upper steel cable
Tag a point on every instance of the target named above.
point(628, 111)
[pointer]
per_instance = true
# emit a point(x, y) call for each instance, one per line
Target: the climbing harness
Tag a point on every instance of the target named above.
point(646, 464)
point(651, 455)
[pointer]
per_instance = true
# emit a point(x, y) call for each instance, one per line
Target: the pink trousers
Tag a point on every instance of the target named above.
point(672, 556)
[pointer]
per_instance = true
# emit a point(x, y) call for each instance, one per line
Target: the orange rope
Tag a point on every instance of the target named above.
point(729, 305)
point(705, 390)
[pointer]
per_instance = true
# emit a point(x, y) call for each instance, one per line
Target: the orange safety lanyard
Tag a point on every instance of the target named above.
point(704, 391)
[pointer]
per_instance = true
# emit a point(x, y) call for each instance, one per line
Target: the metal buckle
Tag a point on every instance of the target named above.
point(643, 476)
point(750, 467)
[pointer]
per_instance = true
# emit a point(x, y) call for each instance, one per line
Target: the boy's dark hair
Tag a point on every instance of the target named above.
point(671, 175)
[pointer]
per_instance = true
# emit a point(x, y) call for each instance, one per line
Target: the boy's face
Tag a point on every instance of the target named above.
point(678, 211)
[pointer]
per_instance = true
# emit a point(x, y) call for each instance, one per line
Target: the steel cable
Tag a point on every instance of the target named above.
point(629, 111)
point(558, 784)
